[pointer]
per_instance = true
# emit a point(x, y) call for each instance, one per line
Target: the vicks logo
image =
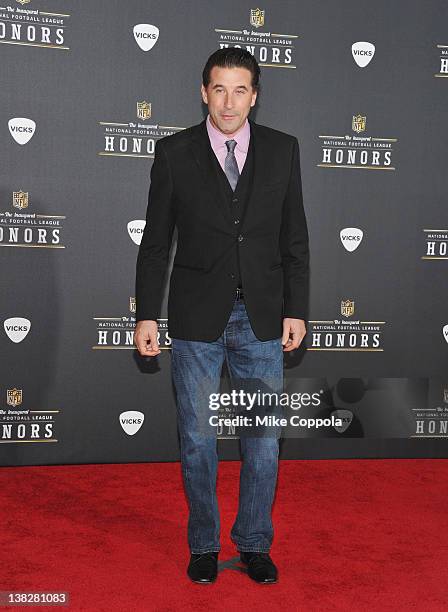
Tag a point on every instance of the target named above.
point(351, 238)
point(17, 328)
point(146, 35)
point(346, 418)
point(131, 421)
point(445, 332)
point(22, 129)
point(135, 230)
point(363, 53)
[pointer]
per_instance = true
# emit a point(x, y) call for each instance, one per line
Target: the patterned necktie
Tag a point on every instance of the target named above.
point(230, 165)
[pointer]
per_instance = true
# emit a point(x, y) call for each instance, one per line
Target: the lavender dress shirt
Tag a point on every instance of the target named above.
point(218, 140)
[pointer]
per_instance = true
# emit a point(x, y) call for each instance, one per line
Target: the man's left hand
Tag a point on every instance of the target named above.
point(294, 331)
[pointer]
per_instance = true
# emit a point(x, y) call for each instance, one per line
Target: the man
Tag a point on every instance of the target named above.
point(238, 291)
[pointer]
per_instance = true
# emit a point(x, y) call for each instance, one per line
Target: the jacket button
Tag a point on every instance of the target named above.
point(232, 275)
point(235, 200)
point(236, 221)
point(240, 238)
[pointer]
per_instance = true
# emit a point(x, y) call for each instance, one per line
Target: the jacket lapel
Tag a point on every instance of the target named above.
point(202, 151)
point(261, 171)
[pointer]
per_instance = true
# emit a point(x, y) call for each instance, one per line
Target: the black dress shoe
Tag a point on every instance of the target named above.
point(260, 567)
point(203, 568)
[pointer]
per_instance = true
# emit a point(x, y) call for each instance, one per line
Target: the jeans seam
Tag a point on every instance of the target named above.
point(192, 505)
point(252, 503)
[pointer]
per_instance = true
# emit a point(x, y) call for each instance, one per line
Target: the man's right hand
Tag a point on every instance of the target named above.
point(145, 338)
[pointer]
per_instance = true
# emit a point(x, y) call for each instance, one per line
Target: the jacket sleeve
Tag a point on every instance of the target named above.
point(294, 245)
point(152, 259)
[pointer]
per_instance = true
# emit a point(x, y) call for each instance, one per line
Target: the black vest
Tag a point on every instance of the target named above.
point(236, 201)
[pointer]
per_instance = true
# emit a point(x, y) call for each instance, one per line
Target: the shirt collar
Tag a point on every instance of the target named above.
point(242, 136)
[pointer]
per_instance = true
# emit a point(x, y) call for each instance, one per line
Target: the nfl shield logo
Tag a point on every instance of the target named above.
point(13, 397)
point(445, 395)
point(132, 304)
point(256, 17)
point(347, 308)
point(144, 110)
point(358, 123)
point(20, 199)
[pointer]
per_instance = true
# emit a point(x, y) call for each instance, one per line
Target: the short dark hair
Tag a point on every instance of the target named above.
point(232, 57)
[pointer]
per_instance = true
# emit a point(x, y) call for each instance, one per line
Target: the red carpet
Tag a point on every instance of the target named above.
point(361, 535)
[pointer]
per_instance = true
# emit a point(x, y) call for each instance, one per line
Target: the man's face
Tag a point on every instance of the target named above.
point(229, 97)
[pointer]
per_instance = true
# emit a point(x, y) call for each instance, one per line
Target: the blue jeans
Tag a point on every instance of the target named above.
point(196, 371)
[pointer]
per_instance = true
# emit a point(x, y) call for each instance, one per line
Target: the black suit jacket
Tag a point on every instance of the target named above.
point(271, 240)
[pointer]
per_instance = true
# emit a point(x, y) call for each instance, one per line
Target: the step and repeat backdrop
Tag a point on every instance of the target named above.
point(86, 91)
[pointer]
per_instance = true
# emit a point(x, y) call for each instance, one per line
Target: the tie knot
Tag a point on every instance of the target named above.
point(231, 144)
